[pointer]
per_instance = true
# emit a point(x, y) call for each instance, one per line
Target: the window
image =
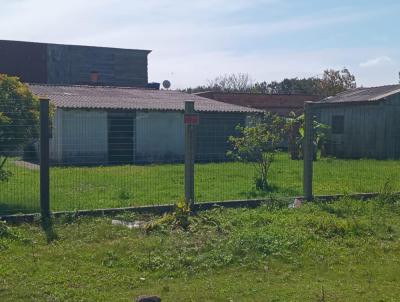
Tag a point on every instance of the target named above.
point(337, 124)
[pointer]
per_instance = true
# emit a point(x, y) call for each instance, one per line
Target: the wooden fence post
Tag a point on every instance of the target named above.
point(308, 151)
point(190, 120)
point(44, 159)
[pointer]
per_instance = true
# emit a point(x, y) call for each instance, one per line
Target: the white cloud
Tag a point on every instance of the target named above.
point(376, 61)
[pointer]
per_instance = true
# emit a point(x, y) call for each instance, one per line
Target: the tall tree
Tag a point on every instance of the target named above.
point(336, 81)
point(19, 119)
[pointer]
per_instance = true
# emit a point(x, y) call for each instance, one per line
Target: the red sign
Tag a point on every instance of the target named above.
point(191, 119)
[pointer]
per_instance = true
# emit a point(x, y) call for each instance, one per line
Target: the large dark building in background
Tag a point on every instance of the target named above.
point(46, 63)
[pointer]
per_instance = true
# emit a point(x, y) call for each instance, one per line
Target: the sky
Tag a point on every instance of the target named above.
point(195, 41)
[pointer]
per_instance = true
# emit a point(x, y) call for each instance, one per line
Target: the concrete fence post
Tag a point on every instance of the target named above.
point(44, 159)
point(190, 120)
point(308, 151)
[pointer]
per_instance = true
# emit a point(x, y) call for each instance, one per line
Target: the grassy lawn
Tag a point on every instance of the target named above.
point(343, 251)
point(120, 186)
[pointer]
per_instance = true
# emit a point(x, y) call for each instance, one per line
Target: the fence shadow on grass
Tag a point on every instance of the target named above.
point(48, 228)
point(10, 208)
point(274, 190)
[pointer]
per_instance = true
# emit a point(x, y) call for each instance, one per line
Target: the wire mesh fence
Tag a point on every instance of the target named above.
point(222, 174)
point(361, 148)
point(119, 158)
point(19, 174)
point(107, 159)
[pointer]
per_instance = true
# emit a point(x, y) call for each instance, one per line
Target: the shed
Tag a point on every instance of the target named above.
point(364, 122)
point(121, 125)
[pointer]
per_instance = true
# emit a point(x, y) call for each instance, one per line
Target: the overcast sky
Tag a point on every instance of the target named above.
point(193, 41)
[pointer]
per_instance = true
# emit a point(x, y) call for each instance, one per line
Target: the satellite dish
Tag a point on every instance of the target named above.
point(166, 84)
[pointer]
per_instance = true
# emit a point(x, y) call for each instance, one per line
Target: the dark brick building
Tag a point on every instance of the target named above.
point(281, 104)
point(46, 63)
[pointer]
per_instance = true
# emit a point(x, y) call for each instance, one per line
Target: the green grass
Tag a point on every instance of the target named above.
point(343, 251)
point(120, 186)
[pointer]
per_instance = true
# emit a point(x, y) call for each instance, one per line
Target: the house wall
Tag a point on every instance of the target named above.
point(392, 126)
point(68, 64)
point(56, 142)
point(71, 64)
point(370, 130)
point(79, 137)
point(159, 136)
point(25, 60)
point(213, 133)
point(82, 136)
point(281, 104)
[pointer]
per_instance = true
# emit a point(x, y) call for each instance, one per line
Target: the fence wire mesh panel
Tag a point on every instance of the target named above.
point(359, 150)
point(232, 151)
point(103, 158)
point(19, 169)
point(118, 158)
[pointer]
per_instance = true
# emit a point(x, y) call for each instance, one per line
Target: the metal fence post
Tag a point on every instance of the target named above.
point(189, 151)
point(308, 151)
point(44, 159)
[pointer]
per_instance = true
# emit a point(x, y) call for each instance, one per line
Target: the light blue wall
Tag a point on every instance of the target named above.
point(159, 136)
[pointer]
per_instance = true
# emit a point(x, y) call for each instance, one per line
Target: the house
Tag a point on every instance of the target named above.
point(364, 122)
point(281, 104)
point(106, 111)
point(121, 125)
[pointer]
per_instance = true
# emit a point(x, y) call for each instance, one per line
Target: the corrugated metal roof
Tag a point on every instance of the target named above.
point(101, 97)
point(363, 94)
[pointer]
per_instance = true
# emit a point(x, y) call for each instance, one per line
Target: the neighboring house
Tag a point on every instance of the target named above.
point(364, 122)
point(104, 114)
point(101, 125)
point(73, 65)
point(281, 104)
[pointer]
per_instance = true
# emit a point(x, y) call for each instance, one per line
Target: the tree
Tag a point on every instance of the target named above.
point(257, 144)
point(331, 83)
point(19, 119)
point(240, 82)
point(336, 81)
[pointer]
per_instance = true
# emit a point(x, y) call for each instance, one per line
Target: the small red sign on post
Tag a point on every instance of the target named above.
point(191, 119)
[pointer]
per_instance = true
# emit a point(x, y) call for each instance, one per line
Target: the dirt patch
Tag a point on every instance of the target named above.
point(26, 164)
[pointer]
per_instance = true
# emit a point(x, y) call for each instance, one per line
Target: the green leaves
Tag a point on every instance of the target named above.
point(4, 175)
point(19, 118)
point(19, 115)
point(257, 143)
point(295, 132)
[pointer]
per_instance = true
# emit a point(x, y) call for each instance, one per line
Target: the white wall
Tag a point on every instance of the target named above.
point(79, 137)
point(159, 136)
point(56, 137)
